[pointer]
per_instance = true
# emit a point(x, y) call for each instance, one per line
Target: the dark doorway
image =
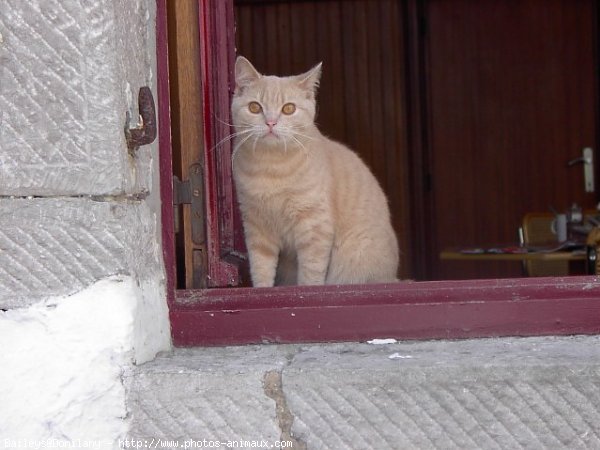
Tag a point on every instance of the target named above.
point(512, 95)
point(506, 96)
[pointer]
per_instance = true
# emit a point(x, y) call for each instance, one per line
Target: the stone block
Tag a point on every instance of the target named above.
point(58, 246)
point(487, 393)
point(497, 393)
point(69, 72)
point(214, 394)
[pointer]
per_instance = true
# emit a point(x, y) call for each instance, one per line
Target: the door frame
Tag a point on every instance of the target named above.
point(404, 310)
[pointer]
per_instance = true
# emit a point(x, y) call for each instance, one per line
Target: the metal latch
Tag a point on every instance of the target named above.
point(191, 192)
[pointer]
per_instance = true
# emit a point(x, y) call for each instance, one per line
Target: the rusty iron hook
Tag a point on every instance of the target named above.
point(145, 132)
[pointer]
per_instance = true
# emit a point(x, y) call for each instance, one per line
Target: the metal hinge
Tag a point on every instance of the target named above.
point(191, 192)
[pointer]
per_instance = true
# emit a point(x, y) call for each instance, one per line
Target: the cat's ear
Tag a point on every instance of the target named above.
point(245, 73)
point(309, 81)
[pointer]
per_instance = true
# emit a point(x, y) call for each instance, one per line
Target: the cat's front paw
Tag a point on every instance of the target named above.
point(259, 284)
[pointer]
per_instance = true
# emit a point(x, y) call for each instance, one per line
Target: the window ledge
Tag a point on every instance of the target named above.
point(407, 310)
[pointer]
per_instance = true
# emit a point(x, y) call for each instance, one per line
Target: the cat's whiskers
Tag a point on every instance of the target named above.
point(296, 132)
point(242, 125)
point(284, 143)
point(229, 137)
point(223, 121)
point(300, 144)
point(239, 144)
point(289, 132)
point(237, 147)
point(244, 128)
point(251, 130)
point(254, 144)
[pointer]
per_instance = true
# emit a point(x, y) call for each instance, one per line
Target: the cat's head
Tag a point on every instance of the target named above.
point(270, 110)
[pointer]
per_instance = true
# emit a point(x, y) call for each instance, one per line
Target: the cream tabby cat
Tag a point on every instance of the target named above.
point(313, 213)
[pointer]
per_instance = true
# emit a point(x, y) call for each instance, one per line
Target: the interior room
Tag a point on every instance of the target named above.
point(472, 115)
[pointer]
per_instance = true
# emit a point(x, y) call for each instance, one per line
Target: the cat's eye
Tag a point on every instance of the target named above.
point(288, 108)
point(254, 107)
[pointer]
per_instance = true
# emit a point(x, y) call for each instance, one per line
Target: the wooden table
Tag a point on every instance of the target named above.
point(551, 256)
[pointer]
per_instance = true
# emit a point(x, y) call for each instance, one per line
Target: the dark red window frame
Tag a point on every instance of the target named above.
point(406, 310)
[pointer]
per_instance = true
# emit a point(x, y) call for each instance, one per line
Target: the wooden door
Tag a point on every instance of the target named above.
point(186, 128)
point(209, 239)
point(512, 97)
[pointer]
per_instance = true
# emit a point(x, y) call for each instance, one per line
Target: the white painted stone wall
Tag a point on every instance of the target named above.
point(63, 360)
point(77, 212)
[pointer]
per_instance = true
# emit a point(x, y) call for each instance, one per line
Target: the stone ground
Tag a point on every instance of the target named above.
point(508, 393)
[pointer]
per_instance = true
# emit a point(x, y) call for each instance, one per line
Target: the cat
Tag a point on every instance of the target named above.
point(313, 213)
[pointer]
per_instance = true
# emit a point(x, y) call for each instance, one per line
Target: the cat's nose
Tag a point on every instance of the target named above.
point(271, 124)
